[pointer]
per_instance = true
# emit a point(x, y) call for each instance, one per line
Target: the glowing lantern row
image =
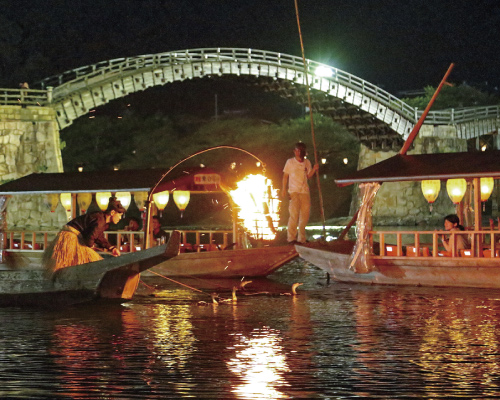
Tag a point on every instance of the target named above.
point(66, 201)
point(51, 201)
point(84, 200)
point(140, 199)
point(102, 199)
point(430, 189)
point(181, 199)
point(456, 189)
point(161, 199)
point(124, 198)
point(486, 185)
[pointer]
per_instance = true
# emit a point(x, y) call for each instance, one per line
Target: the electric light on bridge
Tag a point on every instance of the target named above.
point(324, 71)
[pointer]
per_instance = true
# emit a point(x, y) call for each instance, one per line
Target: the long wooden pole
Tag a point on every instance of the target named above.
point(306, 76)
point(413, 134)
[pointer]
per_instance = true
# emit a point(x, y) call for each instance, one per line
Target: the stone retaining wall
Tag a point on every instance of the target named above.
point(29, 140)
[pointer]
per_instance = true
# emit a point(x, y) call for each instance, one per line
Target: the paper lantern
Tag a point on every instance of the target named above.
point(456, 189)
point(51, 201)
point(181, 198)
point(66, 201)
point(140, 199)
point(124, 198)
point(84, 200)
point(161, 199)
point(102, 199)
point(430, 189)
point(486, 185)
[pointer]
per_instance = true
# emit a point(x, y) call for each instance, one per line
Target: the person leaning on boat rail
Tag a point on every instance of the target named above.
point(295, 174)
point(73, 244)
point(452, 223)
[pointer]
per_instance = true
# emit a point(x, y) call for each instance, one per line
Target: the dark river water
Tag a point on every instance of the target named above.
point(330, 341)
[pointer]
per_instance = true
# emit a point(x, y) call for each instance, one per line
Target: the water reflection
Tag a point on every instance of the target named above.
point(440, 340)
point(340, 341)
point(260, 363)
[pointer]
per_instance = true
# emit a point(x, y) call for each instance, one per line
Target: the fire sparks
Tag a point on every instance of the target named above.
point(258, 206)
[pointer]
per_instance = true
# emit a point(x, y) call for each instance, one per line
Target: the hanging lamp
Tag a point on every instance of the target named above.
point(84, 200)
point(430, 189)
point(102, 199)
point(124, 198)
point(51, 201)
point(181, 199)
point(456, 189)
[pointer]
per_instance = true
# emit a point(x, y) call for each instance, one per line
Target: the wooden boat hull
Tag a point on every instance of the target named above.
point(421, 271)
point(113, 278)
point(258, 262)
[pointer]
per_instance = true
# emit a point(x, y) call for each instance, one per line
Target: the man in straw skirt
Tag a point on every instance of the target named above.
point(73, 244)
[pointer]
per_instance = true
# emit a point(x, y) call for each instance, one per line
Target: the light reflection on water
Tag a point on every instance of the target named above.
point(336, 341)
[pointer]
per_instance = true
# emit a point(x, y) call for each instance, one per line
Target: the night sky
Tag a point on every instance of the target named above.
point(399, 45)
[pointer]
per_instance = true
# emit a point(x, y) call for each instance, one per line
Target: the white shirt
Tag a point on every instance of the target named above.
point(297, 175)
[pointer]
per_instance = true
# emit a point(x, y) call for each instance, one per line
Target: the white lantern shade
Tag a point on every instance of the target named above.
point(430, 189)
point(486, 185)
point(181, 198)
point(84, 200)
point(161, 199)
point(66, 201)
point(51, 201)
point(102, 199)
point(124, 198)
point(140, 199)
point(456, 189)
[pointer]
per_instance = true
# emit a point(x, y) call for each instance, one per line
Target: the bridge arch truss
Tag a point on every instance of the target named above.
point(376, 117)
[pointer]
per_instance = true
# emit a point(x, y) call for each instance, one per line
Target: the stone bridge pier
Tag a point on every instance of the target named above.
point(29, 138)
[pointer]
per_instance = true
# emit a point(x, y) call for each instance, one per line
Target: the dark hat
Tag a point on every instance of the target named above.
point(115, 205)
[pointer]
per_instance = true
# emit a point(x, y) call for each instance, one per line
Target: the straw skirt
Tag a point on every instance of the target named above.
point(68, 249)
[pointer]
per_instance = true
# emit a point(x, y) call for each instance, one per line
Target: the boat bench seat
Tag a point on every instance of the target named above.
point(411, 251)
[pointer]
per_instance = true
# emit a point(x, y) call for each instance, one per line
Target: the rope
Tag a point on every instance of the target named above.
point(322, 210)
point(179, 283)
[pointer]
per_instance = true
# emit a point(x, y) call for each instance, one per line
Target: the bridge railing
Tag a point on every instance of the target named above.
point(80, 77)
point(122, 65)
point(25, 97)
point(461, 115)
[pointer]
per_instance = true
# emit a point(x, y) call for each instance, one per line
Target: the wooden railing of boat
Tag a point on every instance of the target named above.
point(191, 240)
point(483, 243)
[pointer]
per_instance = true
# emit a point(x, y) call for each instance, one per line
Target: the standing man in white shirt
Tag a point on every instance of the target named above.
point(296, 173)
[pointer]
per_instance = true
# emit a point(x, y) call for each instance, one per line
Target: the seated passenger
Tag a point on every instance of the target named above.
point(452, 223)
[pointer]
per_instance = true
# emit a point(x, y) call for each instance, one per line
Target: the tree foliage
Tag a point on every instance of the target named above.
point(454, 97)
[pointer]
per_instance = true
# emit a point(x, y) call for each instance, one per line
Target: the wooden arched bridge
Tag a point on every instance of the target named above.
point(377, 118)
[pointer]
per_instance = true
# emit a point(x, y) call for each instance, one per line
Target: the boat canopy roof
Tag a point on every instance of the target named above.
point(420, 167)
point(132, 180)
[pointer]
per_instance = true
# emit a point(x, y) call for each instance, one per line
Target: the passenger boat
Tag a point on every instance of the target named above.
point(217, 258)
point(24, 282)
point(236, 263)
point(414, 257)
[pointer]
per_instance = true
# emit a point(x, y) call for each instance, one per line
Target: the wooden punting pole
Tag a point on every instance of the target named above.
point(413, 134)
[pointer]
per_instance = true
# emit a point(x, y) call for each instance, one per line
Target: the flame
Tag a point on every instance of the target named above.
point(258, 206)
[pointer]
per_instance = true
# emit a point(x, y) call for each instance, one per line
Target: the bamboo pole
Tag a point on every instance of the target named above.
point(306, 77)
